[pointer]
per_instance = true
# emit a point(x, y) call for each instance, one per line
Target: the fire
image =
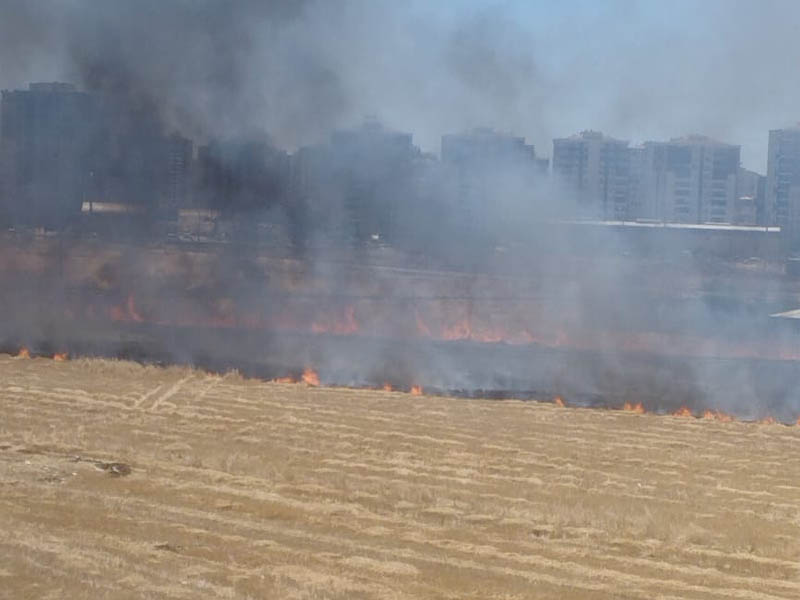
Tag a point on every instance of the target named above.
point(23, 353)
point(558, 401)
point(310, 377)
point(284, 380)
point(422, 327)
point(134, 314)
point(715, 415)
point(461, 330)
point(345, 325)
point(767, 421)
point(60, 356)
point(416, 390)
point(126, 312)
point(637, 408)
point(683, 411)
point(387, 387)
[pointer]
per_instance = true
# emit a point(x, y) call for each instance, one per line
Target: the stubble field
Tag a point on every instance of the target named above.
point(124, 481)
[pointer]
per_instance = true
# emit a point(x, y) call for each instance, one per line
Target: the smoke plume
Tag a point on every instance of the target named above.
point(291, 72)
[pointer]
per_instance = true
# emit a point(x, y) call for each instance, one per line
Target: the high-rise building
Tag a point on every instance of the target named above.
point(47, 141)
point(491, 176)
point(596, 170)
point(483, 145)
point(357, 185)
point(750, 201)
point(178, 155)
point(692, 179)
point(637, 206)
point(783, 179)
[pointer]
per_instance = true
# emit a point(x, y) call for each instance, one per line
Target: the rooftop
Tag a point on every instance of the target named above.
point(698, 140)
point(661, 225)
point(589, 134)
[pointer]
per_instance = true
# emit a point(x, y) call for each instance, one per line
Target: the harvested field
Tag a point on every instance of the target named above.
point(124, 481)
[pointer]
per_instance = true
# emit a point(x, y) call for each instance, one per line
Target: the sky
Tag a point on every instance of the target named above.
point(636, 70)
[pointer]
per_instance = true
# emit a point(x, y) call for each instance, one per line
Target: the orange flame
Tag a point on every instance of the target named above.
point(715, 415)
point(416, 390)
point(461, 330)
point(558, 401)
point(767, 421)
point(284, 380)
point(310, 377)
point(683, 411)
point(422, 327)
point(132, 312)
point(387, 387)
point(23, 353)
point(126, 312)
point(60, 356)
point(637, 408)
point(336, 325)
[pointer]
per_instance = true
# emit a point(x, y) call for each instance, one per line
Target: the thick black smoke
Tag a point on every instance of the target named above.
point(202, 67)
point(296, 70)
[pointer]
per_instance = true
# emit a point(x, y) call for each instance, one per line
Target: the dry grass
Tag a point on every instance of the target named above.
point(243, 489)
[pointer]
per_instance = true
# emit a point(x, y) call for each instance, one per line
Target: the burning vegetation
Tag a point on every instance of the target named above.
point(311, 378)
point(498, 335)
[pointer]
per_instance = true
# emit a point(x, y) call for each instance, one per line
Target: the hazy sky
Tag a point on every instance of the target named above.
point(635, 70)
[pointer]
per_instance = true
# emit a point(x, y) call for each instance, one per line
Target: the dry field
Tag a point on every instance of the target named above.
point(244, 489)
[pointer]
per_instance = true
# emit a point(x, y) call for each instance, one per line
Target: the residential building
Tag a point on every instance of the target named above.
point(750, 201)
point(783, 179)
point(356, 185)
point(48, 136)
point(492, 177)
point(483, 145)
point(596, 170)
point(692, 179)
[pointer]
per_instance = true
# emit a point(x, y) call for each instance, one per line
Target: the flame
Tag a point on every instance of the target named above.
point(558, 401)
point(126, 312)
point(422, 328)
point(637, 408)
point(460, 330)
point(284, 380)
point(767, 421)
point(132, 312)
point(341, 326)
point(60, 356)
point(387, 387)
point(310, 377)
point(715, 415)
point(23, 353)
point(683, 411)
point(416, 390)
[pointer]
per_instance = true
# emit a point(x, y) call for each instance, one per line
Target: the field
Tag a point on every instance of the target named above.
point(124, 481)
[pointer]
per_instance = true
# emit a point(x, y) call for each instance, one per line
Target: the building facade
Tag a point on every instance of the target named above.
point(689, 180)
point(491, 175)
point(750, 198)
point(783, 179)
point(596, 170)
point(48, 141)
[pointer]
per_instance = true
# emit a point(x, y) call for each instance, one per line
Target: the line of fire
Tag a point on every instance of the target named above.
point(366, 262)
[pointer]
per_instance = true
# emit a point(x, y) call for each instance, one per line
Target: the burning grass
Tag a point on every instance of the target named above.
point(240, 488)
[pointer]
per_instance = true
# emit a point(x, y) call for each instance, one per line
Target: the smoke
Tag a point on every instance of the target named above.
point(296, 70)
point(293, 71)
